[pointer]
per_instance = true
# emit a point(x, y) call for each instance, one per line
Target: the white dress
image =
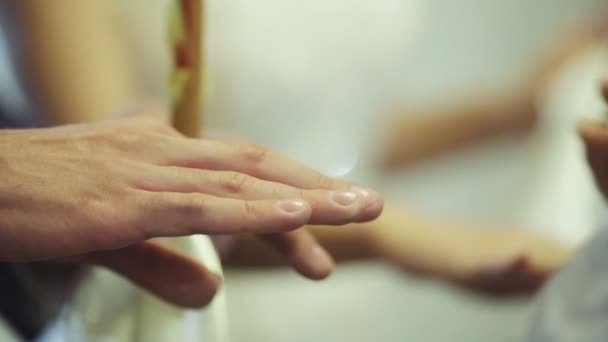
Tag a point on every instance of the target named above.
point(108, 308)
point(574, 306)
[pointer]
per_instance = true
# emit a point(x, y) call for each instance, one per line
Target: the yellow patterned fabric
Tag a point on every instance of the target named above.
point(177, 38)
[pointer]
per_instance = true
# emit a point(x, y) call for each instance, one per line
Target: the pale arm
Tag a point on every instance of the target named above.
point(428, 132)
point(421, 133)
point(75, 62)
point(484, 257)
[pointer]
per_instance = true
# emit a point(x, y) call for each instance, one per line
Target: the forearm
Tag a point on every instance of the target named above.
point(352, 242)
point(442, 129)
point(432, 131)
point(492, 259)
point(76, 66)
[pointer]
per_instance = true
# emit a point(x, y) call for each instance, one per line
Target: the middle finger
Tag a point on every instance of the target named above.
point(328, 207)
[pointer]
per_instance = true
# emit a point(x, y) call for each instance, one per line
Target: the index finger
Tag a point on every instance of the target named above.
point(254, 160)
point(263, 163)
point(185, 281)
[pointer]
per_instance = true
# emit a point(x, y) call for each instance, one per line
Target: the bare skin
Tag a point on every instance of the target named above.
point(441, 129)
point(104, 82)
point(87, 189)
point(414, 241)
point(488, 259)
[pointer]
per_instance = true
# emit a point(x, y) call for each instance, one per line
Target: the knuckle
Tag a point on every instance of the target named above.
point(191, 209)
point(190, 213)
point(94, 201)
point(253, 154)
point(234, 182)
point(184, 211)
point(302, 193)
point(108, 225)
point(250, 213)
point(249, 209)
point(325, 182)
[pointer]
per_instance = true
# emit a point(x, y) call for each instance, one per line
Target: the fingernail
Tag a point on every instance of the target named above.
point(365, 193)
point(344, 198)
point(373, 200)
point(292, 206)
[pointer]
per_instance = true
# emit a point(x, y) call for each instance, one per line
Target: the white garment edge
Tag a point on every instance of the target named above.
point(564, 201)
point(107, 308)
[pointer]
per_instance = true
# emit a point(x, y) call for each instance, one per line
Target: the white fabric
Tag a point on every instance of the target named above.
point(574, 307)
point(6, 333)
point(107, 308)
point(562, 197)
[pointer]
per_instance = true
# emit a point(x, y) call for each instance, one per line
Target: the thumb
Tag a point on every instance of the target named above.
point(170, 275)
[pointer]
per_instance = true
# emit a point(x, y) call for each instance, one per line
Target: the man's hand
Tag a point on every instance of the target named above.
point(100, 191)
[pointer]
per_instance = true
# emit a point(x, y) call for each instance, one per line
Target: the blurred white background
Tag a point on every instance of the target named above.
point(315, 79)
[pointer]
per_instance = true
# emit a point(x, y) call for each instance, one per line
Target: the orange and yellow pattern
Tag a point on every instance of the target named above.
point(185, 86)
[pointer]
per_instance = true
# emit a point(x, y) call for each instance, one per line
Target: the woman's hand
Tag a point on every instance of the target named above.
point(489, 260)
